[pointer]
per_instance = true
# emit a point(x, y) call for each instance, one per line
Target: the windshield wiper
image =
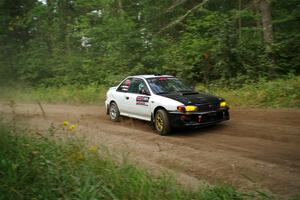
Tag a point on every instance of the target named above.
point(188, 92)
point(162, 92)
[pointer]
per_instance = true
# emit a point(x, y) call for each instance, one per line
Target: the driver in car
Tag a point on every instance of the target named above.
point(142, 89)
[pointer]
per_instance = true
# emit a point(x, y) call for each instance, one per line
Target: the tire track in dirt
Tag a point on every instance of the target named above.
point(257, 148)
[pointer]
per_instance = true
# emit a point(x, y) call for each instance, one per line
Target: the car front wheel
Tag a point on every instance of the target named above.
point(114, 112)
point(161, 121)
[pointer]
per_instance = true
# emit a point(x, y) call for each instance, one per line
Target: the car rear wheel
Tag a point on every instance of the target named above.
point(161, 121)
point(114, 112)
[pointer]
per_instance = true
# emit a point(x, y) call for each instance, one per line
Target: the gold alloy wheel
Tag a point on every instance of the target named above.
point(159, 122)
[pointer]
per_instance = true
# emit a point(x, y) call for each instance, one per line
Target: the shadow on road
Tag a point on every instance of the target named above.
point(177, 132)
point(191, 132)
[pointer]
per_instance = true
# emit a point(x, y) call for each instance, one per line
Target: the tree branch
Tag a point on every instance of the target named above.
point(181, 18)
point(178, 3)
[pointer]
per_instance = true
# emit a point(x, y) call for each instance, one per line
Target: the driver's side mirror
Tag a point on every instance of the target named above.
point(145, 92)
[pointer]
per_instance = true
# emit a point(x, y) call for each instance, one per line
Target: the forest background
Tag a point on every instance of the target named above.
point(225, 46)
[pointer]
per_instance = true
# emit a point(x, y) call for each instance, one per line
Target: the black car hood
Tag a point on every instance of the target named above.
point(194, 98)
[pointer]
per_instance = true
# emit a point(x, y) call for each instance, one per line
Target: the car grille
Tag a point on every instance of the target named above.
point(207, 107)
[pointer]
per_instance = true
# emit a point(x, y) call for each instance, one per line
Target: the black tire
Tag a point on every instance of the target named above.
point(161, 122)
point(114, 112)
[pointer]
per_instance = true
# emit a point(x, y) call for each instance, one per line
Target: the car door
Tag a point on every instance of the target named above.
point(121, 96)
point(138, 100)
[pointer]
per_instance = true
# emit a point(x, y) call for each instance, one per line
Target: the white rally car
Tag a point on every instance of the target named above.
point(165, 101)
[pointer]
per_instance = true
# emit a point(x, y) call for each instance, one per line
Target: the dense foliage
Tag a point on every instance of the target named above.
point(62, 42)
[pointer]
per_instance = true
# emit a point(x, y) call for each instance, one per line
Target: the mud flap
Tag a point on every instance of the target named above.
point(107, 110)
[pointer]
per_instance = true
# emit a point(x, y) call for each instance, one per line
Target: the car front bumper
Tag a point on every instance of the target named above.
point(179, 119)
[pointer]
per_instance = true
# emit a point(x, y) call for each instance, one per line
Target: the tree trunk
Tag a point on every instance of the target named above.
point(265, 9)
point(240, 19)
point(120, 7)
point(50, 17)
point(258, 22)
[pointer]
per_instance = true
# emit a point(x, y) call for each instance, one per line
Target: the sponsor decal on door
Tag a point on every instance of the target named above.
point(142, 100)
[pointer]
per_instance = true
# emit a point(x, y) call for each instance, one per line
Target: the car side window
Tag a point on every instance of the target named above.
point(138, 86)
point(124, 87)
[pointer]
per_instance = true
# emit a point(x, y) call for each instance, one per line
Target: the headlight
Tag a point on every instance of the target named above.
point(191, 108)
point(187, 108)
point(223, 104)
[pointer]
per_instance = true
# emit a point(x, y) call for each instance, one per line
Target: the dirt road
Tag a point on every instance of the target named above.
point(257, 148)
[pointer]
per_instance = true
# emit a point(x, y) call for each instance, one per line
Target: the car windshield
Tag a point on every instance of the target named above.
point(165, 85)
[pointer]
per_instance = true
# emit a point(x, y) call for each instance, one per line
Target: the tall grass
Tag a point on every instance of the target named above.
point(280, 93)
point(40, 167)
point(90, 94)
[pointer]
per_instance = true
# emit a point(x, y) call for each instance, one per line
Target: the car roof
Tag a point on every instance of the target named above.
point(150, 76)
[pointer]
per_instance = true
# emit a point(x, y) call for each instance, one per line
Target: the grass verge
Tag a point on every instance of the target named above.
point(280, 93)
point(90, 94)
point(40, 167)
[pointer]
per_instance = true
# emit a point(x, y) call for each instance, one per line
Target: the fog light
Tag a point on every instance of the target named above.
point(199, 118)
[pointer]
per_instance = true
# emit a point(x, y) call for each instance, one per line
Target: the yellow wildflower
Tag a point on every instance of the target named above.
point(72, 127)
point(93, 149)
point(66, 123)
